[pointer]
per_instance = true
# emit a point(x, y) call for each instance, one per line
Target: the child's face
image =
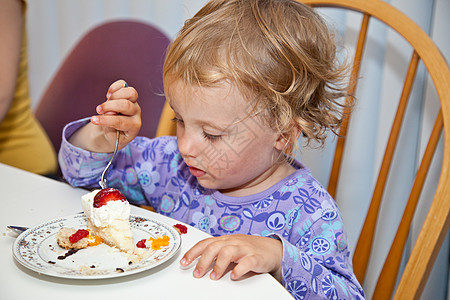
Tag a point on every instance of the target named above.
point(224, 147)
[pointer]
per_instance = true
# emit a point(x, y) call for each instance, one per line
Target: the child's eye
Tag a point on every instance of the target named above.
point(177, 120)
point(211, 137)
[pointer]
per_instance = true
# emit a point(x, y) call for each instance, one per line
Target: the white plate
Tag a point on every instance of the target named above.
point(37, 250)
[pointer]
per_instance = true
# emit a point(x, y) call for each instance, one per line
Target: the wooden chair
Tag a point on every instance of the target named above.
point(437, 221)
point(166, 126)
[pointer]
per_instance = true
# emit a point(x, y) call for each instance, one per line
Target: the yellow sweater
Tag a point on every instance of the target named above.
point(23, 142)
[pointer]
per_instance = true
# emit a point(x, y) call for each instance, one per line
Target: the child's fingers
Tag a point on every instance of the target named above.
point(257, 254)
point(123, 107)
point(226, 256)
point(207, 257)
point(195, 251)
point(118, 122)
point(203, 250)
point(115, 86)
point(128, 93)
point(245, 265)
point(217, 251)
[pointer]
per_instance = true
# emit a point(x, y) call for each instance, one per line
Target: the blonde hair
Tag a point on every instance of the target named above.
point(279, 53)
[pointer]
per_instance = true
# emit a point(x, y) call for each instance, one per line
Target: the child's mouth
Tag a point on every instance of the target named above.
point(196, 172)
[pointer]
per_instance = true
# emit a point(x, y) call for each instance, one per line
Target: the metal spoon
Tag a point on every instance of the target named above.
point(102, 182)
point(17, 229)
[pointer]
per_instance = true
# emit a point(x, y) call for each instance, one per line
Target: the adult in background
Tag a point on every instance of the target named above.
point(23, 142)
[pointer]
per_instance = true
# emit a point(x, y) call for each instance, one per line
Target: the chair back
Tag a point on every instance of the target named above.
point(125, 49)
point(436, 224)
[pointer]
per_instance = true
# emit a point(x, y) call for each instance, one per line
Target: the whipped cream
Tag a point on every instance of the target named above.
point(106, 214)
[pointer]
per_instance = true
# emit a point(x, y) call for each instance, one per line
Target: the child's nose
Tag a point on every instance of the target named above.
point(187, 145)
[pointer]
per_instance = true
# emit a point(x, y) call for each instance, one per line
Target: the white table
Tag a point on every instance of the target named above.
point(28, 199)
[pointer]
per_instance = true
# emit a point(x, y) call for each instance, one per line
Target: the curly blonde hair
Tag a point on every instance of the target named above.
point(279, 53)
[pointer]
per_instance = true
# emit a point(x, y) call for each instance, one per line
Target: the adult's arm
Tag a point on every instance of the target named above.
point(11, 37)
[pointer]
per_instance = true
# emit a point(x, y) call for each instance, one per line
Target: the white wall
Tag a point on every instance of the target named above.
point(55, 26)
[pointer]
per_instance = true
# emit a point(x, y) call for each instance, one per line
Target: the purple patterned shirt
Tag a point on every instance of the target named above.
point(297, 210)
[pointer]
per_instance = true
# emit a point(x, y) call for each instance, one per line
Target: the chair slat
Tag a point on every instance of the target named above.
point(166, 127)
point(387, 278)
point(430, 239)
point(437, 222)
point(337, 160)
point(364, 246)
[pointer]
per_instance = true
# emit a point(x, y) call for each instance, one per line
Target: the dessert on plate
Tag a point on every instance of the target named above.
point(70, 238)
point(108, 216)
point(108, 221)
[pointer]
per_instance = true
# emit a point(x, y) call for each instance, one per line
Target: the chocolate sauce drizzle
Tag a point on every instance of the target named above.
point(69, 253)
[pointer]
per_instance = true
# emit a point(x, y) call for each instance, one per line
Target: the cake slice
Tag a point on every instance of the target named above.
point(108, 216)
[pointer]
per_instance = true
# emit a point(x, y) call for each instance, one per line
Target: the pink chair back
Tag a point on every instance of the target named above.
point(129, 50)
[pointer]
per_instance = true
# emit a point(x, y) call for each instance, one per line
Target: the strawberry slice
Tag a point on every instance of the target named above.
point(106, 195)
point(78, 235)
point(180, 228)
point(141, 244)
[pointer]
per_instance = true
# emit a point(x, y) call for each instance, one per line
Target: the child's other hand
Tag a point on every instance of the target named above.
point(120, 112)
point(249, 253)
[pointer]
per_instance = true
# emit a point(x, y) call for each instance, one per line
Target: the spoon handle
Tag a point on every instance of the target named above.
point(102, 181)
point(17, 229)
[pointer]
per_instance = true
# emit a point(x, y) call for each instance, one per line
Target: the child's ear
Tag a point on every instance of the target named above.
point(286, 140)
point(281, 142)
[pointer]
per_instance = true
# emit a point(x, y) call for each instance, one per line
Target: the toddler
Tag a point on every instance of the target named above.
point(246, 79)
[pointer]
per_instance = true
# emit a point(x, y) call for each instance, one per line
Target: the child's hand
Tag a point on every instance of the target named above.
point(120, 112)
point(249, 253)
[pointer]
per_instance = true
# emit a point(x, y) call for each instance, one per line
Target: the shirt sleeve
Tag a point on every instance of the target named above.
point(316, 259)
point(79, 167)
point(140, 170)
